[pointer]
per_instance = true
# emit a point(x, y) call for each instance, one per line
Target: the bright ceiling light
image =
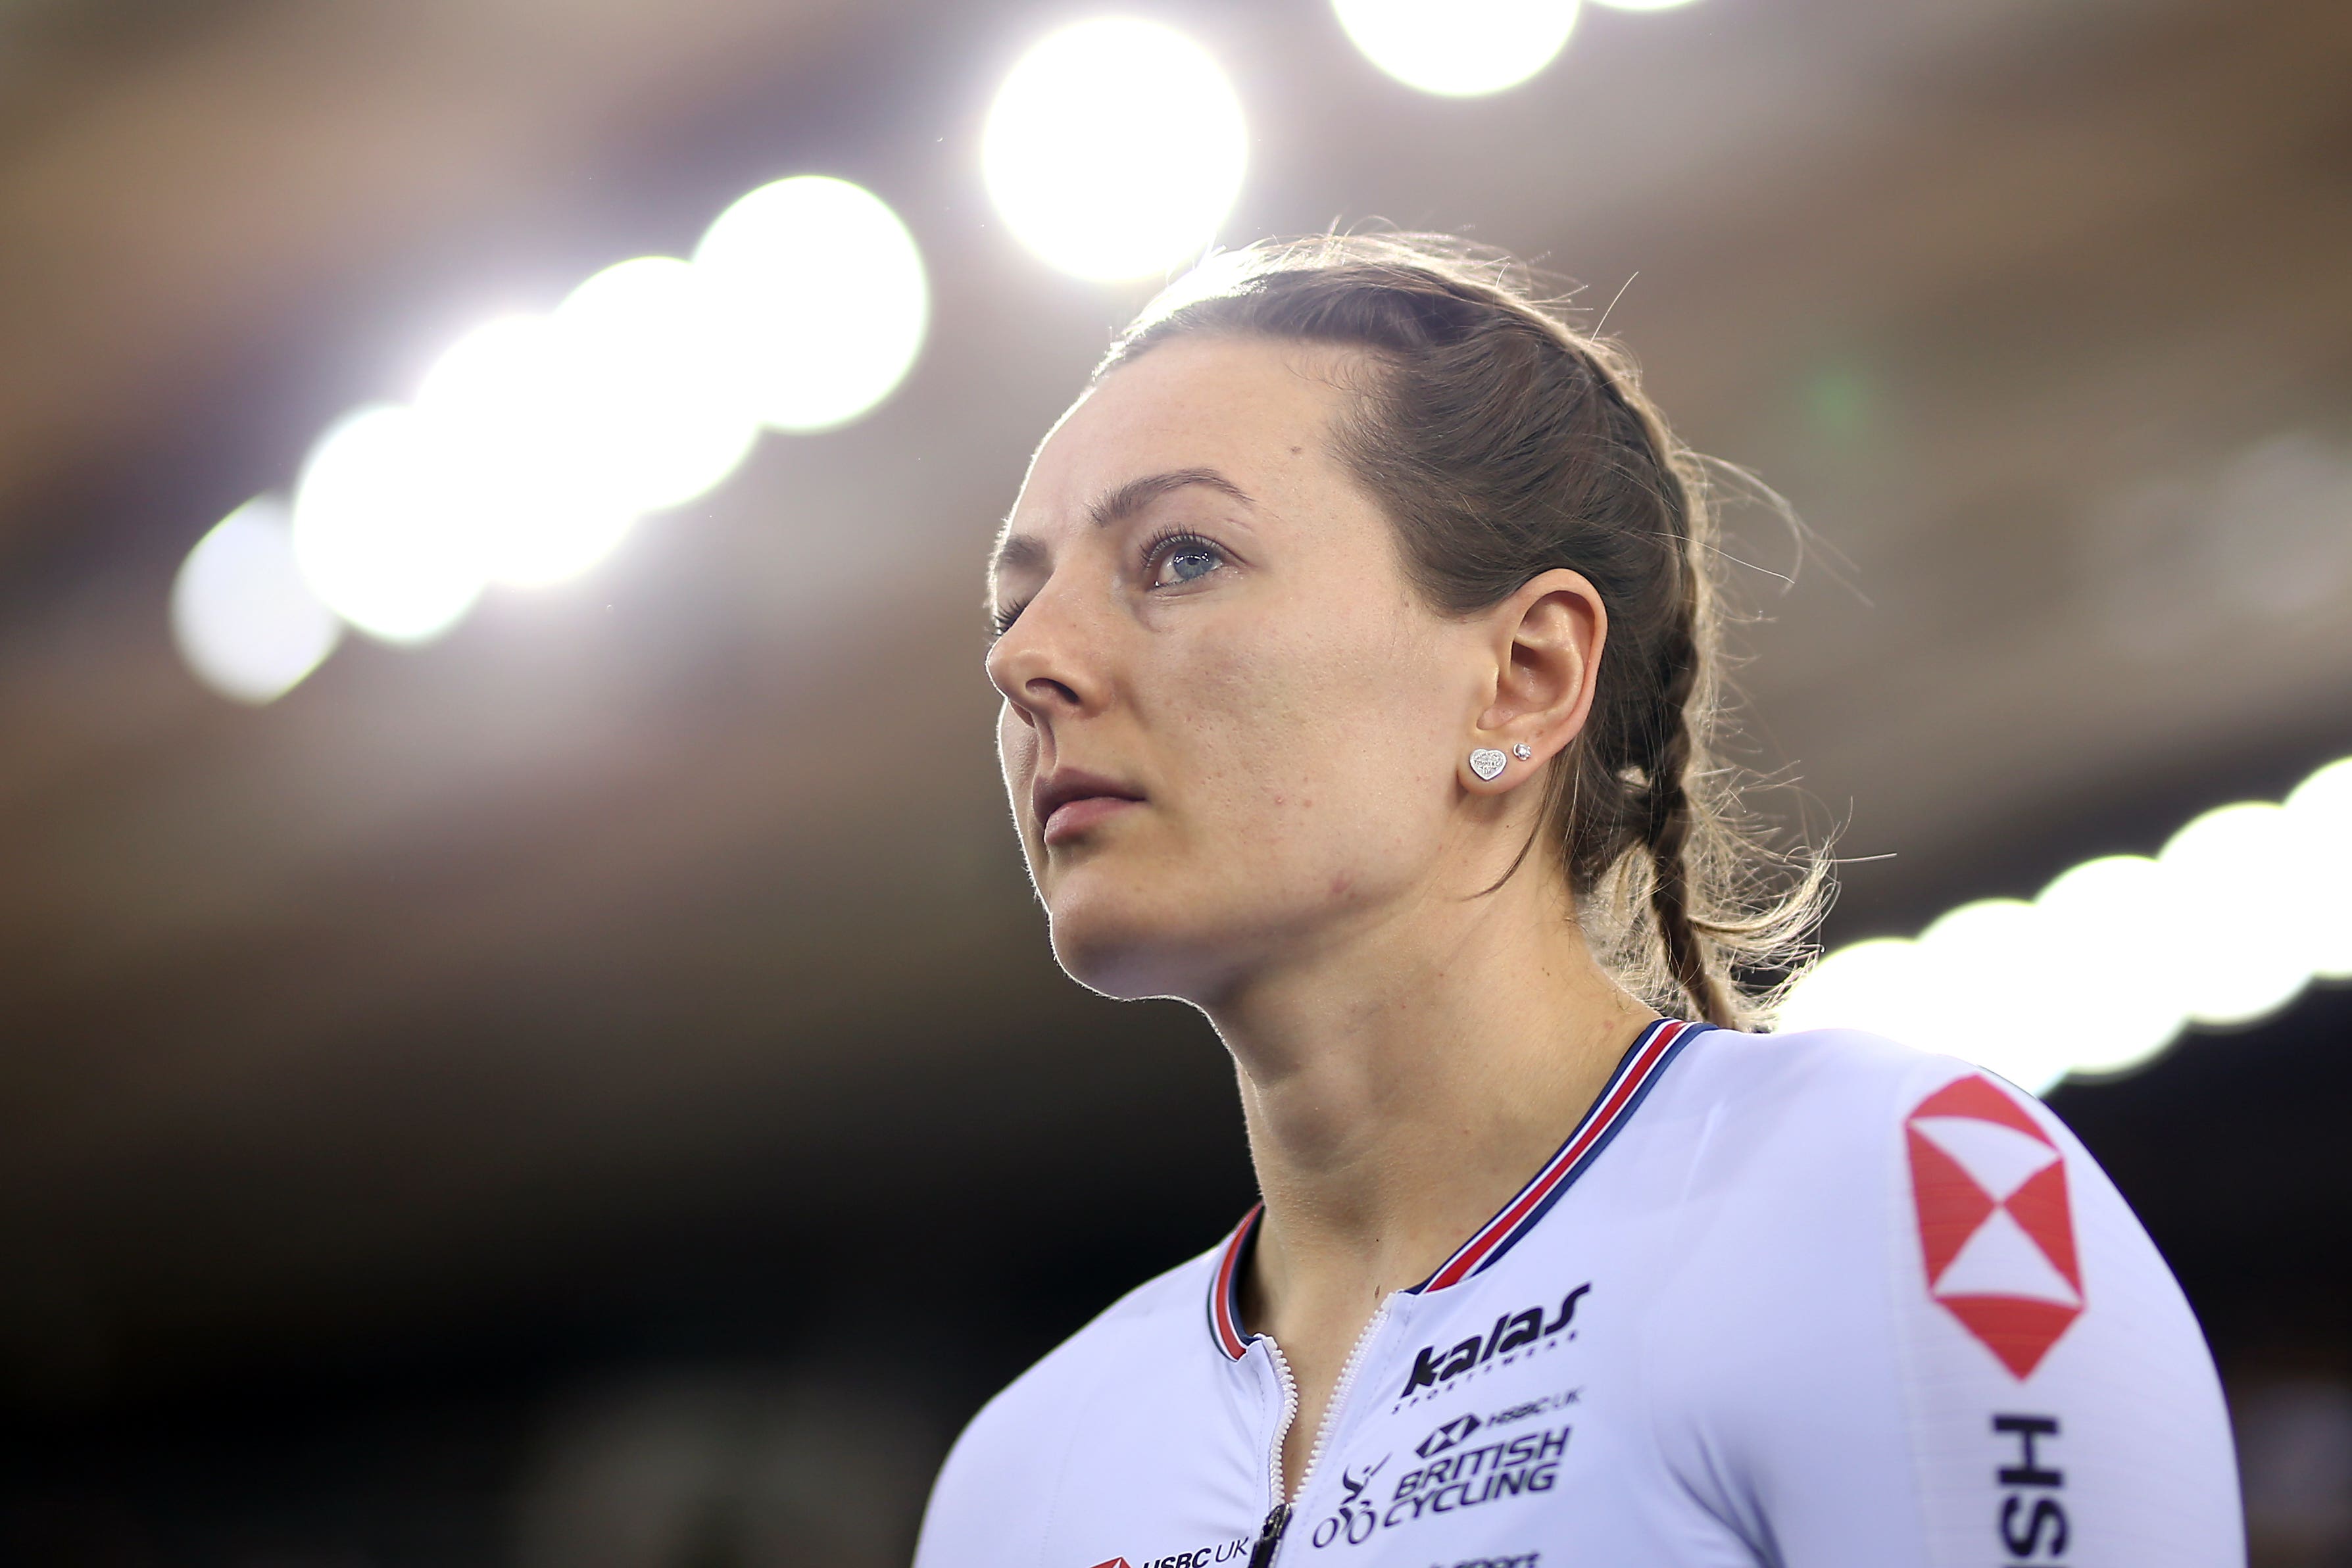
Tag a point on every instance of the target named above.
point(378, 534)
point(556, 433)
point(2105, 922)
point(506, 439)
point(2006, 1028)
point(659, 409)
point(820, 297)
point(1643, 5)
point(1460, 48)
point(2239, 955)
point(245, 621)
point(1873, 986)
point(1115, 147)
point(2321, 808)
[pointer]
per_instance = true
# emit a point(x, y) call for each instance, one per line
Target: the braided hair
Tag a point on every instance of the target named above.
point(1502, 444)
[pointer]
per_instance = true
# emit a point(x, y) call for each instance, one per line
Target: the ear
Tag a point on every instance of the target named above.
point(1547, 642)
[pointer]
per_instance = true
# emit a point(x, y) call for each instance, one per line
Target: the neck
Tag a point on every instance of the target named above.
point(1401, 1085)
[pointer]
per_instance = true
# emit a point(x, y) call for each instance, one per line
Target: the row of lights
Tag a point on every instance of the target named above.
point(536, 442)
point(2109, 964)
point(1113, 150)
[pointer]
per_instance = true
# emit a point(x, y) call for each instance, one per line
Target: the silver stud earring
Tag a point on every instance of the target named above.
point(1486, 763)
point(1521, 752)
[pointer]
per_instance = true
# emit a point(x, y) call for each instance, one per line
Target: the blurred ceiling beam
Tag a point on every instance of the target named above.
point(164, 205)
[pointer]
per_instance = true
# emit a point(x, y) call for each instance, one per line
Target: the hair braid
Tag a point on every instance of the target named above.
point(1664, 834)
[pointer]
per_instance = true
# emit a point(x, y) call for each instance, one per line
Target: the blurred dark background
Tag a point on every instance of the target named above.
point(595, 1091)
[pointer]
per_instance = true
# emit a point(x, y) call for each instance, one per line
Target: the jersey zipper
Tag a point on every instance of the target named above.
point(1277, 1519)
point(1269, 1535)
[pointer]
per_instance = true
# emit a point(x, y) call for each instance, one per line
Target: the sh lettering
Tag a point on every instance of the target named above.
point(2031, 1521)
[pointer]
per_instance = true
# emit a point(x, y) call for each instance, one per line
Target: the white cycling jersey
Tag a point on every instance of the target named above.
point(1814, 1300)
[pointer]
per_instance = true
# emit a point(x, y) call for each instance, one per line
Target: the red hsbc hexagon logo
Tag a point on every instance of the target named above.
point(1113, 1563)
point(1995, 1223)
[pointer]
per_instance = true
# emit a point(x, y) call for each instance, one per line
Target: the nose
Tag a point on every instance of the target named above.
point(1040, 664)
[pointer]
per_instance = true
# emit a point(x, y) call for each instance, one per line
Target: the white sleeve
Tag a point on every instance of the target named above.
point(1920, 1329)
point(2059, 1402)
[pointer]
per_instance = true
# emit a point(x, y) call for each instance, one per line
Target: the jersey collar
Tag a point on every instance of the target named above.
point(1644, 1062)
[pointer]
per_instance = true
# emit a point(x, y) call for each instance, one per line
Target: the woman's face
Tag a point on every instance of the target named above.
point(1231, 728)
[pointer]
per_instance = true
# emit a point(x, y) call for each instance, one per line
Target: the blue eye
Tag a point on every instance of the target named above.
point(1190, 564)
point(1182, 558)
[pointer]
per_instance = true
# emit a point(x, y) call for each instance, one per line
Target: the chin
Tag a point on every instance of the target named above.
point(1123, 942)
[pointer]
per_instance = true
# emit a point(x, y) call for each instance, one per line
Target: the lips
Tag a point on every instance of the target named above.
point(1069, 801)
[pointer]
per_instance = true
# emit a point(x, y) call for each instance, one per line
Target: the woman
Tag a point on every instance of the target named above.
point(1354, 638)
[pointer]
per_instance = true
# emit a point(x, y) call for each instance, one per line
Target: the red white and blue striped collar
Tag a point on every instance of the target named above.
point(1224, 1290)
point(1640, 1068)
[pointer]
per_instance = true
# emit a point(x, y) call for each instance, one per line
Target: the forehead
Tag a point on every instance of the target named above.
point(1255, 410)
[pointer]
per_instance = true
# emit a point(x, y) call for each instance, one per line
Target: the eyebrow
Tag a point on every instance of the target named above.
point(1117, 506)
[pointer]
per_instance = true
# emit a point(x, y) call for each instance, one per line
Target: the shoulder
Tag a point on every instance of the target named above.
point(1898, 1259)
point(1857, 1174)
point(1844, 1069)
point(1983, 1287)
point(1812, 1154)
point(1824, 1103)
point(1009, 1455)
point(1149, 1319)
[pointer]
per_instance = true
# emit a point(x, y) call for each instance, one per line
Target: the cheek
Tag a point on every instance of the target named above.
point(1327, 748)
point(1016, 743)
point(1016, 755)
